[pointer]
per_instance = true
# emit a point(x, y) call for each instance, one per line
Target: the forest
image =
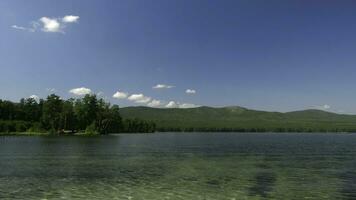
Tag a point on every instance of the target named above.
point(240, 119)
point(53, 115)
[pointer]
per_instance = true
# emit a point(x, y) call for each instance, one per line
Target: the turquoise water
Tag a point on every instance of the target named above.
point(180, 166)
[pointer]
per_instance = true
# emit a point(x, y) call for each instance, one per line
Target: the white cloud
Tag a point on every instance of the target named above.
point(70, 19)
point(139, 98)
point(326, 107)
point(80, 91)
point(162, 86)
point(172, 104)
point(120, 95)
point(18, 27)
point(32, 29)
point(50, 24)
point(323, 107)
point(188, 105)
point(190, 91)
point(148, 101)
point(35, 97)
point(154, 103)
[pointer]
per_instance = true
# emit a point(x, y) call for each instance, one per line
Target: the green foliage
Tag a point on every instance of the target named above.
point(29, 110)
point(108, 119)
point(8, 111)
point(21, 127)
point(14, 126)
point(238, 119)
point(138, 126)
point(68, 118)
point(53, 131)
point(51, 116)
point(91, 130)
point(56, 116)
point(86, 110)
point(36, 127)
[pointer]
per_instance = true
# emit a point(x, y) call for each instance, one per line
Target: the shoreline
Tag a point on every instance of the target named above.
point(158, 132)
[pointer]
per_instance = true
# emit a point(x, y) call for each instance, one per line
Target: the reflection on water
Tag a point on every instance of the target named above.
point(348, 189)
point(179, 166)
point(263, 184)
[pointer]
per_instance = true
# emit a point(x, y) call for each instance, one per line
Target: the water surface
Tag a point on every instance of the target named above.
point(180, 166)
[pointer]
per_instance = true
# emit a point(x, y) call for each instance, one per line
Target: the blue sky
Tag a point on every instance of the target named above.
point(268, 55)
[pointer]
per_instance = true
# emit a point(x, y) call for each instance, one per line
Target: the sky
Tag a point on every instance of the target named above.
point(265, 55)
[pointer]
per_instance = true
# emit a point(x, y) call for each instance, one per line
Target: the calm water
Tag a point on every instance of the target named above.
point(179, 166)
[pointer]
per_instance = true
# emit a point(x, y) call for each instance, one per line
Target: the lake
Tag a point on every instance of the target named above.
point(180, 166)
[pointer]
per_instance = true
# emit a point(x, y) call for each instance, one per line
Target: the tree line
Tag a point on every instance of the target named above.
point(89, 114)
point(260, 130)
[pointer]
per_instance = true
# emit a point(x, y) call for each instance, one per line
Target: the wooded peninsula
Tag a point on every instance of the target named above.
point(89, 115)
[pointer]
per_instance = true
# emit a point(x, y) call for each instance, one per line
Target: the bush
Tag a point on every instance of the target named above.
point(11, 126)
point(91, 129)
point(14, 126)
point(36, 128)
point(52, 131)
point(20, 126)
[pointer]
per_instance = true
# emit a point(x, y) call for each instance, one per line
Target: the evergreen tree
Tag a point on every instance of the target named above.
point(51, 116)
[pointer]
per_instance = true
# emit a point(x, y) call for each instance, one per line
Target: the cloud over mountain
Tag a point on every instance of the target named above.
point(120, 95)
point(139, 98)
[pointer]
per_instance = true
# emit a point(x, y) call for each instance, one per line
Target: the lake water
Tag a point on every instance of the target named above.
point(180, 166)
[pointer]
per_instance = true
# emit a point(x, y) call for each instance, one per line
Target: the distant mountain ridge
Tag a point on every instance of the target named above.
point(235, 118)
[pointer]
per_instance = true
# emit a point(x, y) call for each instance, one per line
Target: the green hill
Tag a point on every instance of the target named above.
point(241, 119)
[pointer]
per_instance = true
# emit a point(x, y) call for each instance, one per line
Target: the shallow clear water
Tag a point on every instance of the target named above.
point(180, 166)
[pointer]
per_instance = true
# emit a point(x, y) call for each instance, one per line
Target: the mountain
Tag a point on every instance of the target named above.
point(236, 118)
